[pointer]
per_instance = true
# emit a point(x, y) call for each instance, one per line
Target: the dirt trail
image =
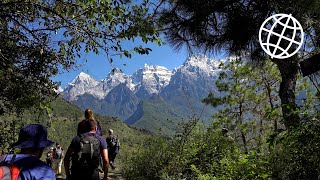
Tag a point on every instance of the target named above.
point(114, 174)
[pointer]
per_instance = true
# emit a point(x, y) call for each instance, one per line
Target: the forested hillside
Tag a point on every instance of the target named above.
point(62, 120)
point(246, 138)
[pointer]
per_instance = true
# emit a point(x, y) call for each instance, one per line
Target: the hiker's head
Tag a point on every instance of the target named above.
point(91, 125)
point(88, 114)
point(57, 145)
point(33, 138)
point(110, 131)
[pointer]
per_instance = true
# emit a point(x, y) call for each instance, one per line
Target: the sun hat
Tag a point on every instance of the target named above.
point(33, 136)
point(110, 131)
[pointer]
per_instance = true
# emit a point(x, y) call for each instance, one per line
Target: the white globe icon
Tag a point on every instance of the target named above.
point(281, 27)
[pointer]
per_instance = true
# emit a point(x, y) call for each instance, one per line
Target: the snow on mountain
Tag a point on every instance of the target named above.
point(151, 79)
point(59, 90)
point(195, 77)
point(200, 64)
point(122, 95)
point(115, 78)
point(80, 85)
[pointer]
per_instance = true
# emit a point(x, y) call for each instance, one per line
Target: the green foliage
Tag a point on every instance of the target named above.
point(296, 155)
point(249, 102)
point(62, 120)
point(40, 36)
point(245, 166)
point(256, 146)
point(196, 153)
point(157, 116)
point(214, 26)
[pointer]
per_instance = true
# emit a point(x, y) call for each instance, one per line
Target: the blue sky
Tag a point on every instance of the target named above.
point(98, 66)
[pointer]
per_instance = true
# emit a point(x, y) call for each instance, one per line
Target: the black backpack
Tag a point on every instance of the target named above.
point(114, 142)
point(89, 155)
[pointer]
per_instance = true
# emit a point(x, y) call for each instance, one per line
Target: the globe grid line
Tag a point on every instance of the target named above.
point(269, 35)
point(293, 36)
point(266, 44)
point(283, 37)
point(276, 20)
point(280, 37)
point(289, 27)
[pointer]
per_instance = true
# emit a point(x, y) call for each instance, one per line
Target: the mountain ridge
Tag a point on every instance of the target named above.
point(179, 92)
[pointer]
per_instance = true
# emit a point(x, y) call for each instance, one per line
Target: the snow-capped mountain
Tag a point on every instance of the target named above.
point(113, 79)
point(82, 84)
point(195, 77)
point(151, 79)
point(119, 94)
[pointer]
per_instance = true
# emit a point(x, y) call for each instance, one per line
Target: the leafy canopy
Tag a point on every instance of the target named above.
point(39, 37)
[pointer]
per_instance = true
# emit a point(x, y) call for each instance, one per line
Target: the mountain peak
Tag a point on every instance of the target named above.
point(115, 71)
point(83, 77)
point(82, 74)
point(83, 83)
point(199, 62)
point(114, 78)
point(151, 79)
point(147, 67)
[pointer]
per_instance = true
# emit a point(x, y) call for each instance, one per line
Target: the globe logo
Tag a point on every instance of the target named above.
point(281, 36)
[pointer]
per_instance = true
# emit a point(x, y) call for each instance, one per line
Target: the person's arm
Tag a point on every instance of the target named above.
point(66, 162)
point(105, 163)
point(79, 129)
point(62, 153)
point(99, 129)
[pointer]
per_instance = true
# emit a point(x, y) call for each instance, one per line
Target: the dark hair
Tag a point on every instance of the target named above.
point(90, 124)
point(88, 114)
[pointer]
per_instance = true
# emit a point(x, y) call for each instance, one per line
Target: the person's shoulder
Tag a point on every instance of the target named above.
point(101, 139)
point(76, 139)
point(28, 161)
point(40, 170)
point(82, 122)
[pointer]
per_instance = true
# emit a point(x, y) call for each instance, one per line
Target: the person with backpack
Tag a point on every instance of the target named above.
point(88, 114)
point(85, 152)
point(26, 165)
point(58, 155)
point(113, 147)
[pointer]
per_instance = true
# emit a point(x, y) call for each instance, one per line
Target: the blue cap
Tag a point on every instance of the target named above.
point(33, 136)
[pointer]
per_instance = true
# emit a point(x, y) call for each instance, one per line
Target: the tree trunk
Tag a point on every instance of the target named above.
point(275, 122)
point(289, 70)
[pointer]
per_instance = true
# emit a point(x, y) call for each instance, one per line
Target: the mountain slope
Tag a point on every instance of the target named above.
point(179, 93)
point(156, 115)
point(65, 117)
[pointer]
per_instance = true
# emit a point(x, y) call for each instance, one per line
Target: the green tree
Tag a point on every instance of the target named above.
point(40, 36)
point(233, 26)
point(248, 100)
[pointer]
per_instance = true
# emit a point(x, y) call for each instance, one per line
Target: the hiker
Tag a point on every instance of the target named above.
point(32, 141)
point(58, 155)
point(113, 147)
point(88, 114)
point(86, 151)
point(49, 158)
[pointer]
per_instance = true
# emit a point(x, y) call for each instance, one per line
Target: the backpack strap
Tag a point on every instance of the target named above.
point(9, 168)
point(14, 172)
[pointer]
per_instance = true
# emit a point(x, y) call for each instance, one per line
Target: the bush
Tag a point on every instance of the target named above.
point(297, 154)
point(199, 154)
